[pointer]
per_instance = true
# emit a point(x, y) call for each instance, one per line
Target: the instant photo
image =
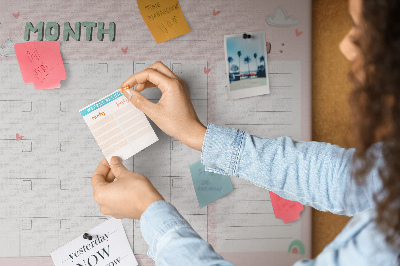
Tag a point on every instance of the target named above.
point(246, 64)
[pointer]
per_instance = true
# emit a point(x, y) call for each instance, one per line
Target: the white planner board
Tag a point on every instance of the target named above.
point(45, 189)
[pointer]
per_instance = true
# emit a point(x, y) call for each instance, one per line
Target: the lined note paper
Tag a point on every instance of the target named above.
point(118, 126)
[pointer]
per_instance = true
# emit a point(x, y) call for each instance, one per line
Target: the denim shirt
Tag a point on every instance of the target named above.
point(313, 173)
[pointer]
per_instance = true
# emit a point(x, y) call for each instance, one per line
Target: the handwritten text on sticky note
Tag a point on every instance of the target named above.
point(209, 186)
point(41, 64)
point(164, 18)
point(284, 209)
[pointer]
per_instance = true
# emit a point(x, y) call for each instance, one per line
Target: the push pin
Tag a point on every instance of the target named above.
point(246, 36)
point(87, 236)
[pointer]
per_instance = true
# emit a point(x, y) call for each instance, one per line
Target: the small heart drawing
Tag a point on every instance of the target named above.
point(206, 71)
point(216, 12)
point(19, 137)
point(298, 33)
point(16, 15)
point(124, 50)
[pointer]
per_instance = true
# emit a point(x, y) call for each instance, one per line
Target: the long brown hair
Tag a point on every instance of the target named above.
point(375, 103)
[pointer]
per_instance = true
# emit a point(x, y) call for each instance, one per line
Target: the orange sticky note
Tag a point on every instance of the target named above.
point(41, 63)
point(164, 18)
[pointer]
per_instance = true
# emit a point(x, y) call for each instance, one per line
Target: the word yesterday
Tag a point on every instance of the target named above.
point(87, 247)
point(52, 31)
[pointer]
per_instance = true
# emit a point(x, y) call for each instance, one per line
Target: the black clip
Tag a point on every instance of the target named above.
point(246, 36)
point(87, 236)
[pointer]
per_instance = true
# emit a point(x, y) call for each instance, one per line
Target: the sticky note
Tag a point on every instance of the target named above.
point(108, 246)
point(118, 126)
point(209, 186)
point(164, 18)
point(284, 209)
point(41, 63)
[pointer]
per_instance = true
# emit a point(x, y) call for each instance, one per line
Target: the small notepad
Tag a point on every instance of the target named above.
point(118, 126)
point(108, 246)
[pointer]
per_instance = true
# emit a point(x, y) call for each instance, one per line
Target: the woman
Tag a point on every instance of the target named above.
point(362, 182)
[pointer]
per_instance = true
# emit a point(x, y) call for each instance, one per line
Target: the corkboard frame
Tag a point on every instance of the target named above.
point(331, 88)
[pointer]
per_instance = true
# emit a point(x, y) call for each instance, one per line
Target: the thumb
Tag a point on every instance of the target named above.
point(117, 167)
point(138, 100)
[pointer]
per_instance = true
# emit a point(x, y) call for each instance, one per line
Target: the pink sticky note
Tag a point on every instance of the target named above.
point(284, 209)
point(41, 63)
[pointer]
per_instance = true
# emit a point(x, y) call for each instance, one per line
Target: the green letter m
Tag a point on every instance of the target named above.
point(39, 29)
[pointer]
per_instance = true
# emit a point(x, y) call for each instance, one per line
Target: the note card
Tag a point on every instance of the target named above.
point(118, 126)
point(209, 186)
point(164, 18)
point(284, 209)
point(41, 63)
point(108, 246)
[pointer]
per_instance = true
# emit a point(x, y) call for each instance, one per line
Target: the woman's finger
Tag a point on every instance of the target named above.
point(142, 86)
point(159, 80)
point(160, 67)
point(100, 174)
point(110, 177)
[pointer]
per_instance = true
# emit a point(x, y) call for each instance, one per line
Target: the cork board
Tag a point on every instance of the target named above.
point(331, 89)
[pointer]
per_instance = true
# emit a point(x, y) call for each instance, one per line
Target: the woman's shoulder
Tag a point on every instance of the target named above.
point(362, 241)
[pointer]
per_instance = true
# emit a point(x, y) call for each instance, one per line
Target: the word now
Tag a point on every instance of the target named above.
point(94, 258)
point(52, 31)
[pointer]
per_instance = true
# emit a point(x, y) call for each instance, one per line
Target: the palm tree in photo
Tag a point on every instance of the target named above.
point(247, 60)
point(262, 73)
point(262, 59)
point(255, 60)
point(239, 54)
point(230, 60)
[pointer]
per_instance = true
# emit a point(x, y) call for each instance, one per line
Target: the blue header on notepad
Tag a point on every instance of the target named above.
point(100, 103)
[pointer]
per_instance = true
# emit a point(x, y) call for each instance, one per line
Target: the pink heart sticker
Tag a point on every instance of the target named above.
point(124, 50)
point(16, 15)
point(298, 33)
point(216, 12)
point(206, 71)
point(18, 137)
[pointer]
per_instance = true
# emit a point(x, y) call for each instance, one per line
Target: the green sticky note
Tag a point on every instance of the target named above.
point(209, 186)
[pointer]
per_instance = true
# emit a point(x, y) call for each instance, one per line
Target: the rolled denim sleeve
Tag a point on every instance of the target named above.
point(172, 241)
point(313, 173)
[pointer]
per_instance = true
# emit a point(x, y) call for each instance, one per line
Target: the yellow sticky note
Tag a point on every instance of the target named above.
point(164, 18)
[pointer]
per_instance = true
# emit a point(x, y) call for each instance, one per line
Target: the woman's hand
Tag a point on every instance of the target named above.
point(174, 113)
point(127, 197)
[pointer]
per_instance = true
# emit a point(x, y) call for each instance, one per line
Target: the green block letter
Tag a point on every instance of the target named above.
point(89, 27)
point(39, 29)
point(110, 31)
point(56, 34)
point(68, 31)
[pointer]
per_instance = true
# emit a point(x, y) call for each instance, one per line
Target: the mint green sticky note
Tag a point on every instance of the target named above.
point(209, 186)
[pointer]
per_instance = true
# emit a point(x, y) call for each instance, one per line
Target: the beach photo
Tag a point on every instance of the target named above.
point(246, 64)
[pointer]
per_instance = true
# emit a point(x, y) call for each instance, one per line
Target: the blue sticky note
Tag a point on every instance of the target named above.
point(209, 186)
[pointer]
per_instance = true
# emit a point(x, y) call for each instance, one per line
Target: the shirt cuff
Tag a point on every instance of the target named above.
point(158, 219)
point(222, 148)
